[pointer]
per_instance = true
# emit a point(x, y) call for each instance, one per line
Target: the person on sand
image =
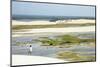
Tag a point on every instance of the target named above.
point(30, 49)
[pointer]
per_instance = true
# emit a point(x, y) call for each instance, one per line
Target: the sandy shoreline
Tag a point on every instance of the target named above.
point(24, 60)
point(54, 30)
point(69, 29)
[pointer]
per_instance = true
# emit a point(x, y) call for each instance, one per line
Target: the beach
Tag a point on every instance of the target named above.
point(26, 60)
point(55, 33)
point(47, 30)
point(24, 34)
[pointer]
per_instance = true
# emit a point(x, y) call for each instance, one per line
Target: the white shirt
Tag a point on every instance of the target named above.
point(30, 48)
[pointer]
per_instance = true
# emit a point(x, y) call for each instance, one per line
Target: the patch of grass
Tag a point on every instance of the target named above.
point(65, 41)
point(72, 56)
point(69, 39)
point(60, 40)
point(87, 40)
point(20, 27)
point(49, 42)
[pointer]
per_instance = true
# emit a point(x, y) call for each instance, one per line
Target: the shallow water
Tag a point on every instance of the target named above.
point(50, 51)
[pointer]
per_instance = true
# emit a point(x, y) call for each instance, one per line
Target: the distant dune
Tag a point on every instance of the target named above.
point(14, 22)
point(79, 21)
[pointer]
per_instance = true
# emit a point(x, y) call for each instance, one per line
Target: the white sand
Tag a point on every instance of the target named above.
point(79, 21)
point(54, 30)
point(14, 22)
point(68, 29)
point(25, 60)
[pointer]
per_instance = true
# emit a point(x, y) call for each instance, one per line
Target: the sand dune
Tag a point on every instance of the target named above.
point(14, 22)
point(79, 21)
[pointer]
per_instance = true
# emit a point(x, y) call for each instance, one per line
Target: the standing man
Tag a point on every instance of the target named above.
point(30, 49)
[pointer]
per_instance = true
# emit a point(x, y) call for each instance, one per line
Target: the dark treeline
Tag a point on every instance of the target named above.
point(51, 18)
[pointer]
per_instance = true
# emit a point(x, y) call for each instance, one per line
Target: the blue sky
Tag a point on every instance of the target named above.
point(28, 8)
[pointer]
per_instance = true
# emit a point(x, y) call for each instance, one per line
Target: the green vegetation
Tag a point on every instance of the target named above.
point(69, 39)
point(60, 40)
point(49, 42)
point(65, 40)
point(20, 27)
point(87, 40)
point(72, 56)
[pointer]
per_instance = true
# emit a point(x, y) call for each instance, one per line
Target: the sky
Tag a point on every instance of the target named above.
point(31, 8)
